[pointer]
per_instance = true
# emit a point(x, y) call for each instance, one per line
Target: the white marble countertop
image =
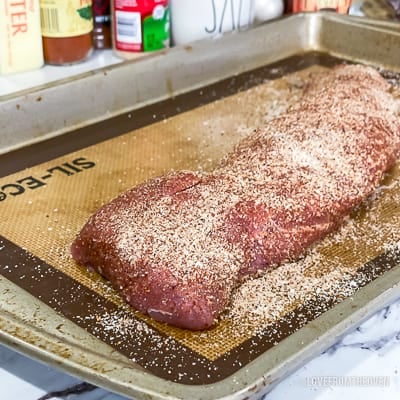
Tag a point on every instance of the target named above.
point(364, 364)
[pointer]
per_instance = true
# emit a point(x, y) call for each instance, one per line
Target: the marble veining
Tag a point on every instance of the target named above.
point(374, 334)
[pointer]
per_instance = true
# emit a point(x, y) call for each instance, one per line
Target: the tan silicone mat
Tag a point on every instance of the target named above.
point(44, 207)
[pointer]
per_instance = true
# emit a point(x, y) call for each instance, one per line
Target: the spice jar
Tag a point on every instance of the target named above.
point(67, 27)
point(102, 24)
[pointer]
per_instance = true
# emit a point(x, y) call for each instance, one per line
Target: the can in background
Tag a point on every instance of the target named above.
point(20, 36)
point(139, 26)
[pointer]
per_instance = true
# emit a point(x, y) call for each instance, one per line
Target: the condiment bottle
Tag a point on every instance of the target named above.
point(102, 24)
point(67, 27)
point(140, 26)
point(20, 36)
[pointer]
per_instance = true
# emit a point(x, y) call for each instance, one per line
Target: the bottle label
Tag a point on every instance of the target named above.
point(141, 25)
point(60, 18)
point(340, 6)
point(20, 36)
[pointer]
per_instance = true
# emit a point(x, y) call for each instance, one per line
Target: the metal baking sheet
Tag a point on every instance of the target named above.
point(54, 328)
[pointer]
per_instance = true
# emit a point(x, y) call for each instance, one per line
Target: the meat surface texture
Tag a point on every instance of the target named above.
point(177, 245)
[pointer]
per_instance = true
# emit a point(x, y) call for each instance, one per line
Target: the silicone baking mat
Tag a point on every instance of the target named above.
point(44, 206)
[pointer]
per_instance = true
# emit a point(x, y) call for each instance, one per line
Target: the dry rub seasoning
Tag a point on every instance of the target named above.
point(67, 27)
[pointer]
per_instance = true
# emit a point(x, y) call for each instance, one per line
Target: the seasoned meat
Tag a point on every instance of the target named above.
point(177, 245)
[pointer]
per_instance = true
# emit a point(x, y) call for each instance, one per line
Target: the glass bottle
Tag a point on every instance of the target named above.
point(102, 24)
point(67, 27)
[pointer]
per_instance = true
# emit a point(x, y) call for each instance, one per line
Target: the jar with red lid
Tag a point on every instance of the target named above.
point(67, 27)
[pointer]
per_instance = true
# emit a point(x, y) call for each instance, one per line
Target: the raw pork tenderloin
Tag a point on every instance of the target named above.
point(177, 245)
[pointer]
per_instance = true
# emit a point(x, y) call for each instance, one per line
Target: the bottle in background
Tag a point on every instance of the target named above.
point(20, 36)
point(139, 26)
point(102, 24)
point(67, 27)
